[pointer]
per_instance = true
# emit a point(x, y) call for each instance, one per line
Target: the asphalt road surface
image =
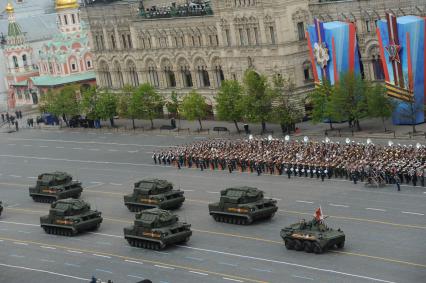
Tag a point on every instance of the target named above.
point(385, 230)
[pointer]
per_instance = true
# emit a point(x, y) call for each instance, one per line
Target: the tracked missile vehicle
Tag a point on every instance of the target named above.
point(155, 229)
point(154, 193)
point(53, 186)
point(242, 205)
point(68, 217)
point(313, 236)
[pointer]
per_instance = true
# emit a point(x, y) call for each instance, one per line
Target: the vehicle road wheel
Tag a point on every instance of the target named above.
point(307, 246)
point(298, 246)
point(289, 244)
point(317, 248)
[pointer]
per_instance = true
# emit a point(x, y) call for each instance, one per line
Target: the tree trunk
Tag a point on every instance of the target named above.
point(152, 123)
point(358, 126)
point(236, 126)
point(383, 121)
point(330, 123)
point(111, 120)
point(133, 123)
point(263, 126)
point(201, 126)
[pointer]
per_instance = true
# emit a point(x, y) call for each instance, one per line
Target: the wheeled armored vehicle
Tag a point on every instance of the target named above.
point(313, 236)
point(53, 186)
point(242, 205)
point(68, 217)
point(156, 228)
point(154, 193)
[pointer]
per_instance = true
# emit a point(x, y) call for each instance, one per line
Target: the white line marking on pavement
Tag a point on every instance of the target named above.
point(112, 149)
point(32, 177)
point(74, 132)
point(134, 276)
point(13, 205)
point(302, 277)
point(289, 264)
point(72, 264)
point(59, 147)
point(104, 256)
point(133, 261)
point(229, 264)
point(132, 151)
point(261, 270)
point(77, 148)
point(108, 235)
point(17, 223)
point(199, 273)
point(95, 182)
point(19, 256)
point(162, 266)
point(414, 213)
point(103, 270)
point(210, 192)
point(27, 145)
point(304, 201)
point(115, 184)
point(94, 149)
point(188, 190)
point(163, 253)
point(194, 258)
point(107, 133)
point(49, 248)
point(277, 199)
point(338, 205)
point(230, 279)
point(25, 232)
point(46, 260)
point(15, 176)
point(375, 209)
point(43, 146)
point(22, 244)
point(74, 252)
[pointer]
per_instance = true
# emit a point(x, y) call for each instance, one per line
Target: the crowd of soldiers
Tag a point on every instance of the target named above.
point(376, 164)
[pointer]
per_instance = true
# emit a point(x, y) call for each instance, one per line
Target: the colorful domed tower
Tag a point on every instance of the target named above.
point(68, 16)
point(19, 63)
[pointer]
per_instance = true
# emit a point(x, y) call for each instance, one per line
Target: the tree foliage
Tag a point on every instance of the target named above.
point(173, 105)
point(88, 103)
point(146, 103)
point(229, 102)
point(321, 103)
point(63, 103)
point(106, 106)
point(194, 107)
point(379, 104)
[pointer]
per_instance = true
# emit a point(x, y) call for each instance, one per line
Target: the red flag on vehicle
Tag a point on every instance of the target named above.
point(318, 214)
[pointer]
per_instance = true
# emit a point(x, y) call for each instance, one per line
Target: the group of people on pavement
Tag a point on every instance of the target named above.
point(380, 164)
point(10, 119)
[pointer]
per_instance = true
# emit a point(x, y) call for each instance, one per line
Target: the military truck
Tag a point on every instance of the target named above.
point(152, 193)
point(1, 207)
point(157, 228)
point(242, 205)
point(68, 217)
point(53, 186)
point(313, 236)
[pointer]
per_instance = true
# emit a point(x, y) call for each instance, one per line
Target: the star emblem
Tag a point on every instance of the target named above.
point(393, 51)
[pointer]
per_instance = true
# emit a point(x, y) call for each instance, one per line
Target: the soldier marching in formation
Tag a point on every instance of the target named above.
point(313, 159)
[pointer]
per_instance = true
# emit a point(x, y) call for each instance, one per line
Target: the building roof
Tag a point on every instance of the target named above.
point(21, 83)
point(57, 81)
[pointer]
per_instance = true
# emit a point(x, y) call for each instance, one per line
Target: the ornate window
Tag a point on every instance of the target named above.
point(307, 71)
point(15, 62)
point(133, 75)
point(220, 77)
point(153, 75)
point(203, 74)
point(112, 41)
point(105, 75)
point(377, 63)
point(301, 30)
point(24, 60)
point(118, 75)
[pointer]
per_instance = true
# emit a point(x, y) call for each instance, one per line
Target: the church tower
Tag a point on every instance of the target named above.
point(68, 16)
point(19, 61)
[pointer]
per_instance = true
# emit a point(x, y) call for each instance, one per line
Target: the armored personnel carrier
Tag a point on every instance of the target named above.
point(156, 228)
point(242, 205)
point(151, 193)
point(68, 217)
point(1, 207)
point(313, 236)
point(53, 186)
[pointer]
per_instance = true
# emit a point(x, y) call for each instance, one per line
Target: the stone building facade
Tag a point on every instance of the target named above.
point(365, 14)
point(178, 48)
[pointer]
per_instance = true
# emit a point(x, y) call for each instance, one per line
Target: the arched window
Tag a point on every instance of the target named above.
point(376, 63)
point(153, 75)
point(15, 62)
point(307, 71)
point(133, 75)
point(204, 76)
point(24, 60)
point(118, 75)
point(105, 75)
point(169, 74)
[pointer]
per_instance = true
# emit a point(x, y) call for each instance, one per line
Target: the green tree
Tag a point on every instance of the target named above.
point(173, 105)
point(88, 103)
point(150, 102)
point(409, 110)
point(379, 104)
point(321, 105)
point(63, 103)
point(229, 102)
point(285, 111)
point(124, 104)
point(106, 106)
point(194, 107)
point(349, 100)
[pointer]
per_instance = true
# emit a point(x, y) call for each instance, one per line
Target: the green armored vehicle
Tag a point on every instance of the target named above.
point(156, 228)
point(53, 186)
point(68, 217)
point(242, 205)
point(152, 193)
point(313, 236)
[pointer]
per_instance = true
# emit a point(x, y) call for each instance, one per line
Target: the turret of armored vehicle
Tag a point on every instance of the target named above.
point(68, 217)
point(154, 193)
point(53, 186)
point(242, 205)
point(1, 207)
point(156, 228)
point(313, 236)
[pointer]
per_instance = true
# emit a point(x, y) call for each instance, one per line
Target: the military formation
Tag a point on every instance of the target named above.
point(375, 164)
